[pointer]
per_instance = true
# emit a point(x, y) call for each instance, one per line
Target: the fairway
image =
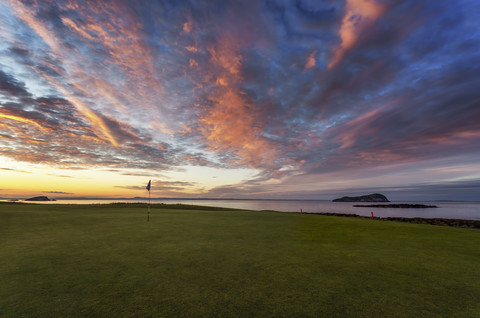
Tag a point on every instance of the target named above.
point(108, 261)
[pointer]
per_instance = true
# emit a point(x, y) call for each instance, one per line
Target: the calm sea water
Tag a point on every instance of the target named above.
point(451, 210)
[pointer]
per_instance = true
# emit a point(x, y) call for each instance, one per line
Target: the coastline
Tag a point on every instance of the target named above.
point(456, 222)
point(433, 221)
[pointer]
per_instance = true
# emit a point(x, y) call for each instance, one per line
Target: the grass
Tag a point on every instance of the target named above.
point(108, 261)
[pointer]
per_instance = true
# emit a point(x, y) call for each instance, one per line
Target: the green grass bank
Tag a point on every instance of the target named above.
point(108, 261)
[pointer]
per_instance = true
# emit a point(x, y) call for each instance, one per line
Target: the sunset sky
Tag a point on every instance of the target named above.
point(301, 99)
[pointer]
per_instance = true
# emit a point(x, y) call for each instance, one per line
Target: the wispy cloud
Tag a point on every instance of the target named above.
point(164, 187)
point(57, 192)
point(14, 170)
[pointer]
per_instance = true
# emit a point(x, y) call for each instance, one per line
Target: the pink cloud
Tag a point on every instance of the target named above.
point(359, 14)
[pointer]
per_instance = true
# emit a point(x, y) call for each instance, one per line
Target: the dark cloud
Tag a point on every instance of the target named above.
point(57, 192)
point(176, 186)
point(11, 87)
point(316, 13)
point(6, 137)
point(42, 63)
point(14, 170)
point(20, 52)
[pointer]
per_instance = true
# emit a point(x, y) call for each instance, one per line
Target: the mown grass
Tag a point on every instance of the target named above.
point(108, 261)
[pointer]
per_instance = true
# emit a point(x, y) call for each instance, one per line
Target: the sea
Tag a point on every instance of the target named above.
point(444, 209)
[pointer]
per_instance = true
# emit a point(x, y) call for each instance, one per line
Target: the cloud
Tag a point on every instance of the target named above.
point(14, 170)
point(116, 38)
point(311, 61)
point(359, 14)
point(162, 186)
point(57, 192)
point(11, 87)
point(288, 88)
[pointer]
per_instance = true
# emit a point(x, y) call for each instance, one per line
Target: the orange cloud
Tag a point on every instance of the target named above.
point(231, 124)
point(191, 48)
point(187, 27)
point(311, 61)
point(72, 25)
point(92, 118)
point(21, 119)
point(25, 13)
point(193, 63)
point(359, 14)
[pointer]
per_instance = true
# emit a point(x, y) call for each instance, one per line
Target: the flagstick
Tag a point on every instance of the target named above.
point(148, 215)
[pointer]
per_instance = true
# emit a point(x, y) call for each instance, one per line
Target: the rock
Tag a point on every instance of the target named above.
point(374, 197)
point(435, 221)
point(39, 198)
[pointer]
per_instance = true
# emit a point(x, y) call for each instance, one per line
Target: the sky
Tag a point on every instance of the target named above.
point(275, 99)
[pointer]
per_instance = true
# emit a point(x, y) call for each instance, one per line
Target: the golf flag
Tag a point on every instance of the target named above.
point(148, 188)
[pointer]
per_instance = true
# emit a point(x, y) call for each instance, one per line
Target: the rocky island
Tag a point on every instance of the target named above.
point(374, 197)
point(40, 198)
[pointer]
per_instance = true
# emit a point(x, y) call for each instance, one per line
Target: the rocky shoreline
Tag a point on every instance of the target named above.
point(396, 206)
point(433, 221)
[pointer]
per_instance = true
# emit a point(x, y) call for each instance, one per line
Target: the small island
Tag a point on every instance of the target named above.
point(374, 197)
point(40, 198)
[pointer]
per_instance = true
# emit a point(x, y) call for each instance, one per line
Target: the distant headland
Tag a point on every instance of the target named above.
point(374, 197)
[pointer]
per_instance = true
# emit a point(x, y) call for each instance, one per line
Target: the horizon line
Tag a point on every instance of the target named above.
point(214, 199)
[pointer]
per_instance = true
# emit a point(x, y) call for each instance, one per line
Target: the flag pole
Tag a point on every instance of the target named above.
point(148, 188)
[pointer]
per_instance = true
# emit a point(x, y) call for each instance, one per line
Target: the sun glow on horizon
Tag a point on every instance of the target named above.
point(27, 179)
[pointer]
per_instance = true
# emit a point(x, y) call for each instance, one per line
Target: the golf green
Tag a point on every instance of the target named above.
point(108, 261)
